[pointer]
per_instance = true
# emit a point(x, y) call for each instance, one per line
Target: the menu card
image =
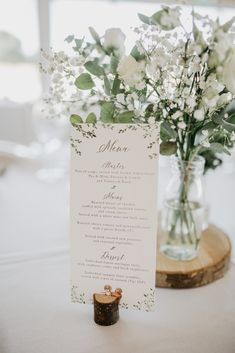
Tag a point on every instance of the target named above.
point(114, 176)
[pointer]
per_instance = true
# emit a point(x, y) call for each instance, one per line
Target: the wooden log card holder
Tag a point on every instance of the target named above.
point(106, 306)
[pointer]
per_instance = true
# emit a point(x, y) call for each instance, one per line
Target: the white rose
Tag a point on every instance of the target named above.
point(131, 71)
point(199, 114)
point(228, 75)
point(114, 38)
point(210, 103)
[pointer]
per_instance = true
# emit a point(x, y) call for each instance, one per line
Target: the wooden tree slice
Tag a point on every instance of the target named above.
point(211, 264)
point(106, 310)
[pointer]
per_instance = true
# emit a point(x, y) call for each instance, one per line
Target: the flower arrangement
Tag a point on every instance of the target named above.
point(182, 78)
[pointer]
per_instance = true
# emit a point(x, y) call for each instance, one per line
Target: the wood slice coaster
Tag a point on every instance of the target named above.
point(211, 264)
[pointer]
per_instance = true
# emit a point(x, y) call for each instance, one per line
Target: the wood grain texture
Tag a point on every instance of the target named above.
point(211, 264)
point(106, 310)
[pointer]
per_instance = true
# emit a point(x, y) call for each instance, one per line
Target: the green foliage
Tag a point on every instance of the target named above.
point(125, 117)
point(107, 86)
point(107, 112)
point(75, 119)
point(136, 54)
point(84, 82)
point(227, 26)
point(144, 19)
point(69, 39)
point(166, 132)
point(168, 148)
point(94, 68)
point(212, 161)
point(78, 44)
point(218, 148)
point(94, 35)
point(155, 19)
point(116, 85)
point(91, 118)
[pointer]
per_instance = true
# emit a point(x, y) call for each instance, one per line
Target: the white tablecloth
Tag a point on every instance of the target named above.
point(35, 311)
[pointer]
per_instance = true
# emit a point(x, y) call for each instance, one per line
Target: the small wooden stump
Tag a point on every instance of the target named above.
point(106, 310)
point(211, 264)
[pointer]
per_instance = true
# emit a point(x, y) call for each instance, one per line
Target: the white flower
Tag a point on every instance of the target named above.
point(120, 98)
point(210, 103)
point(135, 96)
point(228, 75)
point(159, 60)
point(181, 125)
point(131, 71)
point(224, 99)
point(177, 115)
point(232, 137)
point(213, 87)
point(191, 102)
point(151, 120)
point(170, 18)
point(224, 43)
point(114, 38)
point(205, 133)
point(56, 77)
point(76, 61)
point(199, 114)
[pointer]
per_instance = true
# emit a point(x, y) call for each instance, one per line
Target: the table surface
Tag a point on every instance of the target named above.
point(36, 315)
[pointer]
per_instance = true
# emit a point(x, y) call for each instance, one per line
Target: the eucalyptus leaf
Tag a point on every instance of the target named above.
point(84, 82)
point(116, 85)
point(168, 148)
point(156, 18)
point(94, 68)
point(106, 113)
point(107, 86)
point(218, 148)
point(75, 119)
point(91, 118)
point(167, 131)
point(231, 119)
point(95, 35)
point(144, 19)
point(125, 117)
point(230, 109)
point(78, 43)
point(69, 39)
point(228, 125)
point(226, 26)
point(136, 54)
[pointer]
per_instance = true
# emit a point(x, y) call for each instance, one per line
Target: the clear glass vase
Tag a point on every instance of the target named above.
point(183, 210)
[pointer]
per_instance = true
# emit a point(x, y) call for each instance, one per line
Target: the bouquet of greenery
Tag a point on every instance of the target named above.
point(182, 78)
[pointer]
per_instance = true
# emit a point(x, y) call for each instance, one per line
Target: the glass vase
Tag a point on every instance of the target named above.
point(183, 210)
